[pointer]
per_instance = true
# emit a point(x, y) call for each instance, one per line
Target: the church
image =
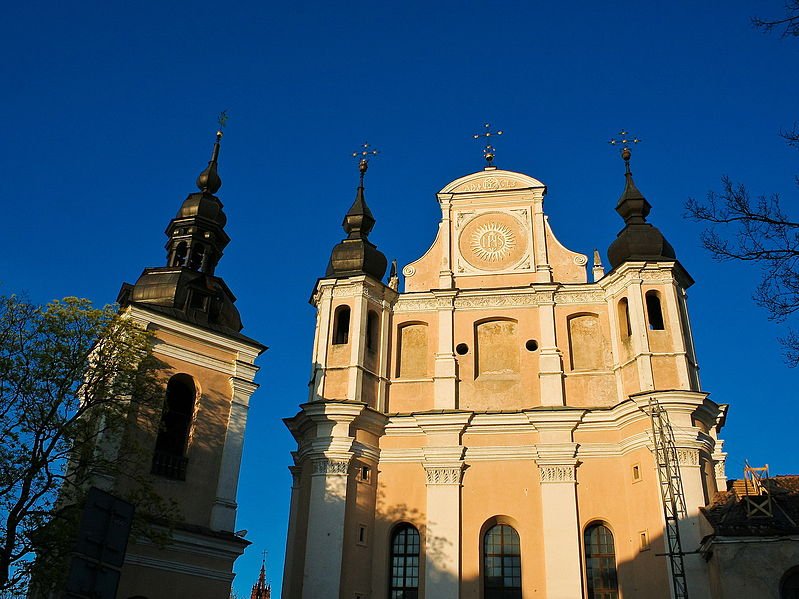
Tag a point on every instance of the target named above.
point(516, 421)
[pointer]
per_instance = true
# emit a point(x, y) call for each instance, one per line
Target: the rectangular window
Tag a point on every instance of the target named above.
point(362, 536)
point(636, 472)
point(644, 540)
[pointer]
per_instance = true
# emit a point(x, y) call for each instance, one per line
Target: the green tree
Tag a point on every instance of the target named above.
point(74, 382)
point(759, 230)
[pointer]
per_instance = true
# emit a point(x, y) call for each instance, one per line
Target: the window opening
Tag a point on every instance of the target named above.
point(654, 311)
point(341, 326)
point(405, 547)
point(462, 349)
point(502, 574)
point(173, 435)
point(197, 253)
point(600, 563)
point(624, 318)
point(372, 330)
point(179, 258)
point(531, 345)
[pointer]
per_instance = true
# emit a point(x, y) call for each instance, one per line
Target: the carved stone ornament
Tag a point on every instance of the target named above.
point(488, 184)
point(422, 305)
point(443, 476)
point(581, 260)
point(409, 271)
point(719, 469)
point(498, 301)
point(325, 466)
point(493, 241)
point(557, 474)
point(688, 457)
point(580, 297)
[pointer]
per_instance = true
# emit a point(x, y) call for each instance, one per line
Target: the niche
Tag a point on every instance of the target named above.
point(413, 351)
point(497, 351)
point(372, 331)
point(587, 346)
point(624, 318)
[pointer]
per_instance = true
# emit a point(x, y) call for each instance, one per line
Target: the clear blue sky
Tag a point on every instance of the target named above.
point(110, 112)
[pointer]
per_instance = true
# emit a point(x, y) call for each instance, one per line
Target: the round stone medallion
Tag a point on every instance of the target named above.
point(493, 241)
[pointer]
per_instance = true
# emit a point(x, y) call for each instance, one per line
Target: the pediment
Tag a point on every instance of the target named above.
point(492, 180)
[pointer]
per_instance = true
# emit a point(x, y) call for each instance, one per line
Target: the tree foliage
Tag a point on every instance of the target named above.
point(72, 380)
point(759, 230)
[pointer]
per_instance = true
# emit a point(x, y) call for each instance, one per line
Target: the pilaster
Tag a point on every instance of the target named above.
point(324, 318)
point(445, 376)
point(446, 279)
point(550, 357)
point(696, 574)
point(640, 339)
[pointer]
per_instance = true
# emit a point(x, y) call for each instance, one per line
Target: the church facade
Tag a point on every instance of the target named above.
point(487, 431)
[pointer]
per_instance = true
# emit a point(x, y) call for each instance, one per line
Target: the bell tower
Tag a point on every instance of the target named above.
point(196, 441)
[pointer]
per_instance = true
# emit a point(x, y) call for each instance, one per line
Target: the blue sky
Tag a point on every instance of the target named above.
point(110, 111)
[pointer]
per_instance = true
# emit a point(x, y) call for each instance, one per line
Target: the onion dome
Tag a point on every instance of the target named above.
point(638, 240)
point(356, 255)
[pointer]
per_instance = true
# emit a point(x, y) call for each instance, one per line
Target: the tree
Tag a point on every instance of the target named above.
point(759, 231)
point(73, 381)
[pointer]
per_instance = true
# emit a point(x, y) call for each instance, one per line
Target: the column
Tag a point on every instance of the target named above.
point(326, 511)
point(223, 512)
point(550, 375)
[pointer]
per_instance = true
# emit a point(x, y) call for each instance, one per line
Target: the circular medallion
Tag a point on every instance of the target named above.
point(493, 241)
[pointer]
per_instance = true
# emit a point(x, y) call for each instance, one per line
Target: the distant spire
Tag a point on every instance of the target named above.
point(393, 279)
point(209, 181)
point(262, 589)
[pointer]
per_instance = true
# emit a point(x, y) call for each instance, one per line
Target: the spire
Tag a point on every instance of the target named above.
point(356, 254)
point(209, 181)
point(638, 240)
point(261, 589)
point(598, 271)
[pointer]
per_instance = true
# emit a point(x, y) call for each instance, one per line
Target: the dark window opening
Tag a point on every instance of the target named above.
point(462, 349)
point(197, 253)
point(624, 318)
point(179, 258)
point(531, 345)
point(600, 563)
point(502, 563)
point(405, 548)
point(173, 435)
point(789, 588)
point(341, 325)
point(372, 330)
point(654, 311)
point(198, 301)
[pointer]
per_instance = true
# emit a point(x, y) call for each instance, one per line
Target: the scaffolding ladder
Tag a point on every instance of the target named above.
point(671, 493)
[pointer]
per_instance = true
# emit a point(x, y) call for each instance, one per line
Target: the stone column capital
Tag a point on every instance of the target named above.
point(444, 475)
point(324, 466)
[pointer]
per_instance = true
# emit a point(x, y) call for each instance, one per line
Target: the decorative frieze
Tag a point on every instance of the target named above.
point(427, 304)
point(688, 457)
point(327, 467)
point(580, 297)
point(444, 476)
point(561, 473)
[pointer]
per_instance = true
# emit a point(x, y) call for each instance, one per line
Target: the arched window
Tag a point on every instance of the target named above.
point(173, 435)
point(180, 254)
point(624, 318)
point(789, 587)
point(405, 546)
point(341, 326)
point(600, 563)
point(197, 253)
point(372, 330)
point(502, 563)
point(653, 311)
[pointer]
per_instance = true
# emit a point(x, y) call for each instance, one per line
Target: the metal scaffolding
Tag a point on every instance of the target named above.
point(671, 493)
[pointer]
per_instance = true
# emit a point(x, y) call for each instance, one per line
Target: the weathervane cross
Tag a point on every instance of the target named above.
point(488, 150)
point(364, 154)
point(625, 140)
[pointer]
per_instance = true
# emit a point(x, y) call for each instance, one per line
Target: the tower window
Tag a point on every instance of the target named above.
point(502, 560)
point(789, 586)
point(600, 563)
point(624, 318)
point(173, 436)
point(654, 311)
point(372, 330)
point(179, 259)
point(341, 325)
point(197, 253)
point(405, 547)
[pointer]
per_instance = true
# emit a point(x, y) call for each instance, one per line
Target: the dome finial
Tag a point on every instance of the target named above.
point(364, 155)
point(209, 181)
point(489, 152)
